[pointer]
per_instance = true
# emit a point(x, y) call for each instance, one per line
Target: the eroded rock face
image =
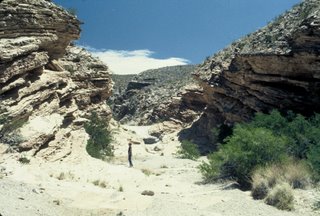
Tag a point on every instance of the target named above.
point(47, 87)
point(277, 67)
point(154, 96)
point(31, 25)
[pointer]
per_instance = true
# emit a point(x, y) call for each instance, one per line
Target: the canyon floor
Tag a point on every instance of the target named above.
point(77, 184)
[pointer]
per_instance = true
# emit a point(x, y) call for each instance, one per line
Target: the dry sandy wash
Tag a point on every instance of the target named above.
point(81, 185)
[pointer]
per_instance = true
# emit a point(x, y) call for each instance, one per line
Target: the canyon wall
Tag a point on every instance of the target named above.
point(48, 87)
point(277, 67)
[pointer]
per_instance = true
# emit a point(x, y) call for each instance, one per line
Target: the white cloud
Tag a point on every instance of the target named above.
point(133, 62)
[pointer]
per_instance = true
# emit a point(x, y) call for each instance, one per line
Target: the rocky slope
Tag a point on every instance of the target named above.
point(277, 67)
point(155, 95)
point(47, 87)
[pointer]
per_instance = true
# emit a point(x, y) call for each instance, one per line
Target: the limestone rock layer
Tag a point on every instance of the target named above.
point(277, 67)
point(47, 86)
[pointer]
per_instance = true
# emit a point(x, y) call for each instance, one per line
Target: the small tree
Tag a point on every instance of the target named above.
point(98, 145)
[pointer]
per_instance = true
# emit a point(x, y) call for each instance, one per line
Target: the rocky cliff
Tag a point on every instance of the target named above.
point(155, 95)
point(277, 67)
point(47, 87)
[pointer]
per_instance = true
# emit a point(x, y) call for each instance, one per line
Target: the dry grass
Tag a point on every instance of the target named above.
point(95, 182)
point(163, 166)
point(147, 172)
point(100, 183)
point(61, 176)
point(296, 174)
point(103, 184)
point(275, 183)
point(272, 175)
point(65, 176)
point(260, 187)
point(281, 196)
point(120, 188)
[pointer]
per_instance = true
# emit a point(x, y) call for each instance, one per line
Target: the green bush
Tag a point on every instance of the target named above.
point(188, 150)
point(302, 133)
point(23, 159)
point(245, 150)
point(98, 145)
point(314, 161)
point(266, 139)
point(281, 197)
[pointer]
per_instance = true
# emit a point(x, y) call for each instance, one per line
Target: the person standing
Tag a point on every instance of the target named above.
point(130, 154)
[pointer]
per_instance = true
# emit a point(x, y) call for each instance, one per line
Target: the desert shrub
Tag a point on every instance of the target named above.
point(295, 173)
point(24, 160)
point(12, 139)
point(120, 189)
point(188, 150)
point(269, 138)
point(243, 152)
point(281, 197)
point(147, 172)
point(313, 159)
point(65, 176)
point(271, 174)
point(3, 118)
point(99, 144)
point(300, 131)
point(260, 187)
point(61, 176)
point(102, 184)
point(96, 182)
point(273, 121)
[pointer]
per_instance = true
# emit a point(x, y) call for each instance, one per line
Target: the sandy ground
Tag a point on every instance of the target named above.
point(80, 185)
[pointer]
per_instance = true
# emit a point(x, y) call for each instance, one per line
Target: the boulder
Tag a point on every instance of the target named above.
point(147, 193)
point(150, 140)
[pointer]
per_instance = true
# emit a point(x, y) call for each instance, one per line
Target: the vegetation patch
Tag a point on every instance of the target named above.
point(99, 183)
point(281, 197)
point(24, 160)
point(188, 150)
point(295, 173)
point(65, 175)
point(147, 172)
point(242, 153)
point(269, 139)
point(260, 187)
point(163, 166)
point(120, 189)
point(99, 145)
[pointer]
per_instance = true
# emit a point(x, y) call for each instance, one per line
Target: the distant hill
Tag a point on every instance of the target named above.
point(136, 96)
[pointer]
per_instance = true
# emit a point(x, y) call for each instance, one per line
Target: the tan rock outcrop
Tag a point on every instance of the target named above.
point(276, 67)
point(47, 87)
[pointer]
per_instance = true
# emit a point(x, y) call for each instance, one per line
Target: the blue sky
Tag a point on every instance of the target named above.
point(168, 31)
